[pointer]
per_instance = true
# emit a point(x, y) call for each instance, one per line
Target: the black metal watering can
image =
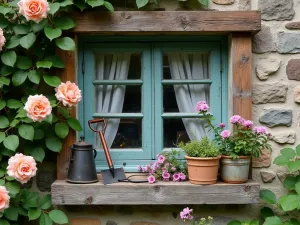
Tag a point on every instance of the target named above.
point(82, 169)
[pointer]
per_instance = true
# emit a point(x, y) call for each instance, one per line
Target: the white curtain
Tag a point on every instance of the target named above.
point(110, 98)
point(190, 66)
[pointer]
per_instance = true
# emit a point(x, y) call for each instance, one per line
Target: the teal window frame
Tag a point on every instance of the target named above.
point(152, 49)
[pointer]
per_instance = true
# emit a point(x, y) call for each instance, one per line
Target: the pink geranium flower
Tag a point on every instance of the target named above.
point(236, 119)
point(186, 214)
point(151, 179)
point(222, 125)
point(166, 175)
point(176, 177)
point(225, 134)
point(260, 130)
point(182, 176)
point(199, 104)
point(247, 123)
point(161, 159)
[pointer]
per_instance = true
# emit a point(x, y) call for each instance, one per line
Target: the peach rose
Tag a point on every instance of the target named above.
point(34, 10)
point(68, 93)
point(2, 39)
point(38, 107)
point(4, 199)
point(21, 167)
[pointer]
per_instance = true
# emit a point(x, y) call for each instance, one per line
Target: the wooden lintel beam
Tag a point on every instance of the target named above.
point(167, 22)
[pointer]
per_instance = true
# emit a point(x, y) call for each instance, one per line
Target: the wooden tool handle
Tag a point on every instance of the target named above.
point(105, 148)
point(100, 120)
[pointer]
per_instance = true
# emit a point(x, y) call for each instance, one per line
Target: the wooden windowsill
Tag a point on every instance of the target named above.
point(161, 193)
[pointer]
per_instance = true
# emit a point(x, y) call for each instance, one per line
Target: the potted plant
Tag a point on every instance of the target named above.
point(237, 146)
point(202, 161)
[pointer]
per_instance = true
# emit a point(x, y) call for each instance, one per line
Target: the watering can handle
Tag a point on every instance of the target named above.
point(102, 120)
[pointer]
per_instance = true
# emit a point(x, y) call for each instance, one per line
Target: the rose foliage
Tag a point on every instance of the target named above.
point(34, 102)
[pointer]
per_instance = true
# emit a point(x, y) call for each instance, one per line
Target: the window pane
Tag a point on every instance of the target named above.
point(183, 98)
point(181, 66)
point(118, 66)
point(174, 132)
point(123, 133)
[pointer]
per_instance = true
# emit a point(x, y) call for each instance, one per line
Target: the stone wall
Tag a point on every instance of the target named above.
point(276, 99)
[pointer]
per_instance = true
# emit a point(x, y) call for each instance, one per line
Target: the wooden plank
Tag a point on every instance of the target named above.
point(161, 193)
point(67, 74)
point(241, 55)
point(167, 22)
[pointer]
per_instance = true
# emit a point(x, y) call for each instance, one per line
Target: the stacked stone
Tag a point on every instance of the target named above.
point(276, 92)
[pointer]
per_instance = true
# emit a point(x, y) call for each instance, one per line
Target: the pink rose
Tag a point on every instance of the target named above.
point(21, 167)
point(2, 39)
point(38, 107)
point(34, 10)
point(4, 199)
point(68, 93)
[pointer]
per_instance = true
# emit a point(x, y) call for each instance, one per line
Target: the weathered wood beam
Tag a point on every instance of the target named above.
point(167, 22)
point(161, 193)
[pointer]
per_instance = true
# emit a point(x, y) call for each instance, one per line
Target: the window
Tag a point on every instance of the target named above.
point(147, 92)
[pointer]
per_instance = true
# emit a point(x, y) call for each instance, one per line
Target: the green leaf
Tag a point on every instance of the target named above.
point(28, 40)
point(203, 2)
point(109, 6)
point(141, 3)
point(36, 27)
point(13, 187)
point(45, 220)
point(21, 29)
point(4, 80)
point(9, 58)
point(64, 112)
point(58, 216)
point(45, 202)
point(34, 76)
point(56, 61)
point(4, 222)
point(19, 77)
point(267, 196)
point(2, 137)
point(54, 7)
point(13, 42)
point(49, 119)
point(65, 43)
point(266, 212)
point(294, 166)
point(294, 221)
point(80, 4)
point(290, 202)
point(44, 64)
point(52, 33)
point(64, 23)
point(274, 220)
point(53, 81)
point(38, 134)
point(4, 9)
point(11, 213)
point(62, 130)
point(3, 22)
point(74, 124)
point(281, 161)
point(66, 3)
point(6, 70)
point(34, 213)
point(297, 188)
point(37, 153)
point(22, 211)
point(289, 182)
point(24, 62)
point(298, 150)
point(95, 3)
point(26, 132)
point(11, 142)
point(14, 104)
point(3, 122)
point(2, 173)
point(54, 144)
point(288, 153)
point(2, 104)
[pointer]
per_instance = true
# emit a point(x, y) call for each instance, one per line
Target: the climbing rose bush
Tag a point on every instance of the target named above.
point(34, 10)
point(4, 199)
point(68, 93)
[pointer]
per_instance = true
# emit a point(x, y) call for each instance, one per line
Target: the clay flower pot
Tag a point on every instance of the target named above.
point(235, 171)
point(203, 170)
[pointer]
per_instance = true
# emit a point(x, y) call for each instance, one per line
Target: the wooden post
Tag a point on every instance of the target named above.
point(67, 74)
point(241, 55)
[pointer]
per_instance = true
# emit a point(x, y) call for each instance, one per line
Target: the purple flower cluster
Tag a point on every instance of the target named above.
point(202, 106)
point(161, 169)
point(186, 214)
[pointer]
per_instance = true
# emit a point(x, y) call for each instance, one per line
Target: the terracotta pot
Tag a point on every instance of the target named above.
point(235, 171)
point(203, 170)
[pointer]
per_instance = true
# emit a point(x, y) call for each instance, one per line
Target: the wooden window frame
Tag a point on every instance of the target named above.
point(238, 25)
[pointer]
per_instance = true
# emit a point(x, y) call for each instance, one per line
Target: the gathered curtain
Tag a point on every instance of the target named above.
point(190, 66)
point(110, 98)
